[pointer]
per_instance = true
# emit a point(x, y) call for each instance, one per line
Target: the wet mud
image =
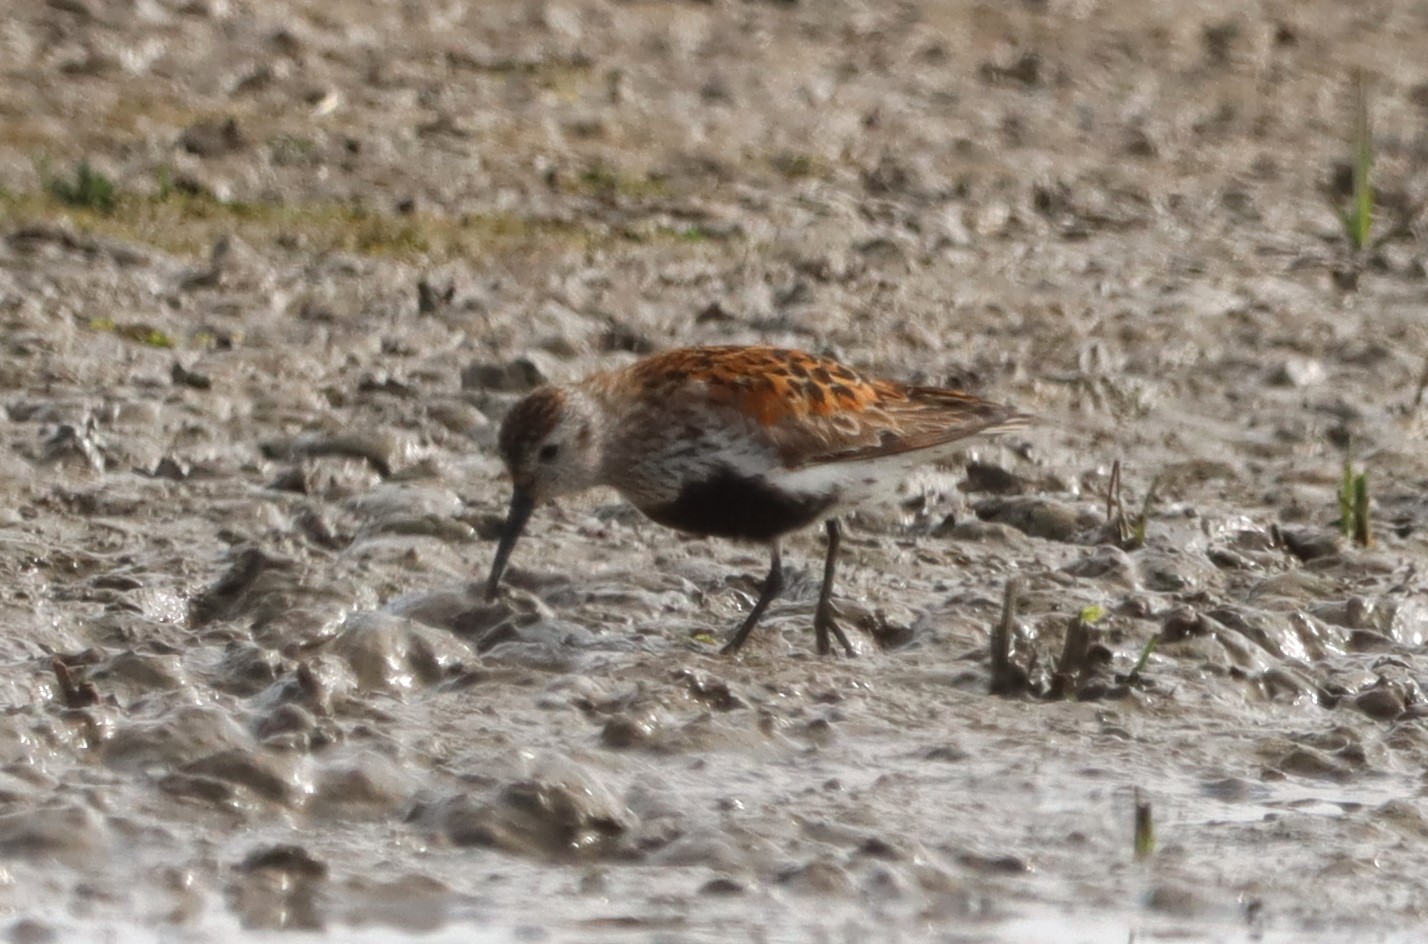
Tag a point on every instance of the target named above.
point(249, 397)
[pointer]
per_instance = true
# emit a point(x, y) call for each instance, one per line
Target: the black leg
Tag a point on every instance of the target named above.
point(823, 621)
point(773, 586)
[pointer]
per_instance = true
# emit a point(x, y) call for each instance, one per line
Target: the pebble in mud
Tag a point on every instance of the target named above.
point(230, 594)
point(1298, 372)
point(360, 785)
point(1173, 571)
point(173, 738)
point(268, 776)
point(386, 652)
point(517, 376)
point(818, 877)
point(1385, 702)
point(1289, 684)
point(630, 730)
point(246, 669)
point(1109, 565)
point(549, 645)
point(131, 674)
point(213, 138)
point(278, 887)
point(1306, 761)
point(1177, 899)
point(723, 887)
point(561, 810)
point(31, 931)
point(60, 831)
point(286, 724)
point(980, 532)
point(1040, 517)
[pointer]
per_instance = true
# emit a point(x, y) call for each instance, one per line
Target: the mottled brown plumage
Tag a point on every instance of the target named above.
point(740, 442)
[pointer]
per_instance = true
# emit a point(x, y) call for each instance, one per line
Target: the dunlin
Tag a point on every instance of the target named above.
point(748, 443)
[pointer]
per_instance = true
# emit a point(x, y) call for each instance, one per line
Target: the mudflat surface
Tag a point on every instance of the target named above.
point(249, 398)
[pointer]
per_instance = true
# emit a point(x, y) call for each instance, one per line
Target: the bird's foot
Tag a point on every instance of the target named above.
point(823, 625)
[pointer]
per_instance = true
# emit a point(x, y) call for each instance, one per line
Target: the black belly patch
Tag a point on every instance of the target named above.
point(728, 505)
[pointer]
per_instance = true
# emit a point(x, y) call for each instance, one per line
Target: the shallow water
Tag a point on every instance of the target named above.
point(250, 489)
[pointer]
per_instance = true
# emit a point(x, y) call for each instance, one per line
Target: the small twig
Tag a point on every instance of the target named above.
point(1363, 528)
point(1346, 497)
point(1005, 679)
point(1115, 512)
point(1071, 669)
point(76, 694)
point(1128, 534)
point(1138, 534)
point(1422, 385)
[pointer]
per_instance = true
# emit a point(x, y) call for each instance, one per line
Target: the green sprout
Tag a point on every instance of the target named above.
point(1092, 614)
point(1145, 654)
point(1144, 827)
point(1355, 520)
point(1357, 218)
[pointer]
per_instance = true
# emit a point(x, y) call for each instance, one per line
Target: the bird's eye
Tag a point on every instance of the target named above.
point(548, 452)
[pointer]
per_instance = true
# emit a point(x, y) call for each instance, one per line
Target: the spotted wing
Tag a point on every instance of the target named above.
point(810, 409)
point(915, 418)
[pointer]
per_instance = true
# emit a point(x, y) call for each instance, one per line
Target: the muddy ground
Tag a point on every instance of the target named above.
point(249, 398)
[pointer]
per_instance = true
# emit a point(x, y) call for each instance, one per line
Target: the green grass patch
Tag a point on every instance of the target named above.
point(609, 182)
point(187, 224)
point(290, 150)
point(137, 332)
point(183, 220)
point(695, 234)
point(85, 187)
point(796, 166)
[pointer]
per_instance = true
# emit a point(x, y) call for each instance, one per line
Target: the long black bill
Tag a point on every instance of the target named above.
point(522, 503)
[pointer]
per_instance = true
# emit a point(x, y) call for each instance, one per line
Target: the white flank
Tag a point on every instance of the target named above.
point(867, 480)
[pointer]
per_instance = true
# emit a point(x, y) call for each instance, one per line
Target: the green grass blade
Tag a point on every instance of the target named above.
point(1359, 221)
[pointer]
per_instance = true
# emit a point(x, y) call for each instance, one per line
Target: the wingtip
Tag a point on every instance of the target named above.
point(1012, 421)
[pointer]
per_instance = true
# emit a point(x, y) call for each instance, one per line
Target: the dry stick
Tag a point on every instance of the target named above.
point(1067, 680)
point(1113, 491)
point(1004, 680)
point(1422, 385)
point(1143, 522)
point(76, 694)
point(1115, 510)
point(1346, 496)
point(1363, 529)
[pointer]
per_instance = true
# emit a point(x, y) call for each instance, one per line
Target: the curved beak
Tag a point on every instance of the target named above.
point(522, 503)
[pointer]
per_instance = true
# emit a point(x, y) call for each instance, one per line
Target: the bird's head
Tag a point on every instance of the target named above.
point(551, 446)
